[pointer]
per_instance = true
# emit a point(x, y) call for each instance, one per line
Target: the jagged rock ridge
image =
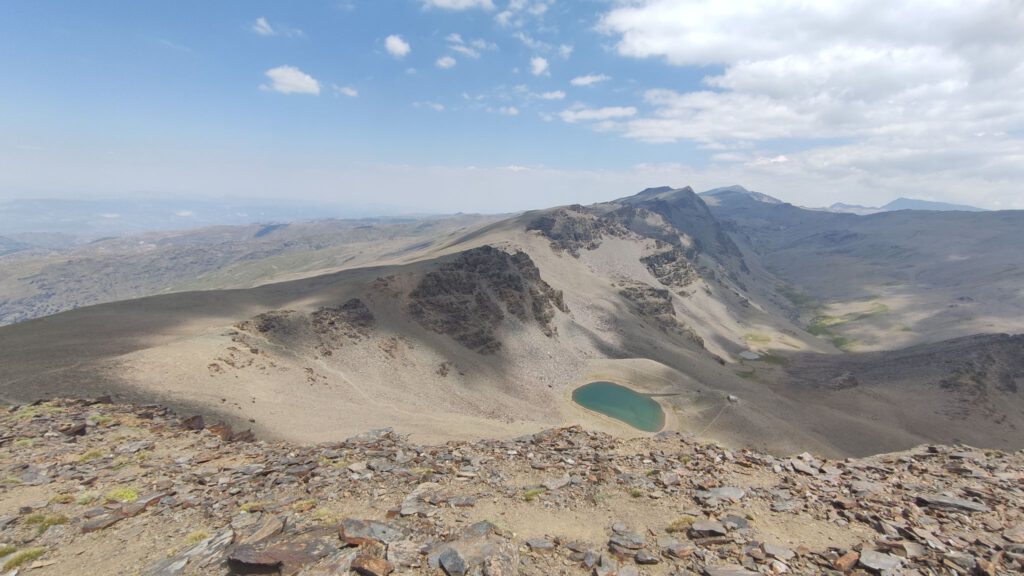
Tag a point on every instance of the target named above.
point(470, 297)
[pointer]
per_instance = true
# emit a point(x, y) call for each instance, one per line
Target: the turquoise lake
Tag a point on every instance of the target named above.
point(639, 411)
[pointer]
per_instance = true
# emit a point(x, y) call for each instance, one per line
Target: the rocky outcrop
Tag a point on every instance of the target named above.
point(575, 228)
point(327, 328)
point(471, 296)
point(173, 499)
point(656, 304)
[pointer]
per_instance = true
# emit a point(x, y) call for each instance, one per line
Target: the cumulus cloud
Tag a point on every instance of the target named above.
point(445, 62)
point(396, 46)
point(539, 66)
point(291, 80)
point(906, 85)
point(459, 4)
point(508, 111)
point(589, 79)
point(554, 95)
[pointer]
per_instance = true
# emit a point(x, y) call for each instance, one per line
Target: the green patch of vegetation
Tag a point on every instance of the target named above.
point(7, 550)
point(196, 537)
point(531, 495)
point(42, 522)
point(23, 557)
point(636, 492)
point(681, 524)
point(124, 495)
point(91, 455)
point(304, 505)
point(10, 480)
point(326, 516)
point(254, 506)
point(803, 302)
point(757, 338)
point(100, 420)
point(29, 412)
point(24, 443)
point(62, 499)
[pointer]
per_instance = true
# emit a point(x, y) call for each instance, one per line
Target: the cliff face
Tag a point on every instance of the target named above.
point(94, 488)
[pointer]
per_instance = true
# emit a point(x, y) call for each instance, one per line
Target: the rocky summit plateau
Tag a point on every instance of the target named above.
point(90, 487)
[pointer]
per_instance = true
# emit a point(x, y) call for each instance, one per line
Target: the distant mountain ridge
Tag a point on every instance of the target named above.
point(904, 204)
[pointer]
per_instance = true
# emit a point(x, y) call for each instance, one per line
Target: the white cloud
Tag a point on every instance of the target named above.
point(554, 95)
point(565, 51)
point(508, 111)
point(584, 114)
point(396, 46)
point(291, 80)
point(459, 4)
point(539, 66)
point(184, 213)
point(589, 79)
point(913, 89)
point(346, 91)
point(263, 27)
point(518, 12)
point(435, 106)
point(471, 49)
point(445, 62)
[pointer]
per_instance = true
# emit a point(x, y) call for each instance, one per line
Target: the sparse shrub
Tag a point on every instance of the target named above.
point(636, 492)
point(42, 522)
point(23, 557)
point(533, 494)
point(63, 499)
point(6, 550)
point(681, 524)
point(127, 494)
point(196, 537)
point(24, 443)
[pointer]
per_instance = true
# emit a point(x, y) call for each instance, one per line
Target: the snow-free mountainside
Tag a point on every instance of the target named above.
point(756, 323)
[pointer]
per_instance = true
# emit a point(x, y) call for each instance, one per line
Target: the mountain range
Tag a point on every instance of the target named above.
point(755, 322)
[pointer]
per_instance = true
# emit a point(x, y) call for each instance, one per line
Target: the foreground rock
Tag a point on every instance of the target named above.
point(95, 488)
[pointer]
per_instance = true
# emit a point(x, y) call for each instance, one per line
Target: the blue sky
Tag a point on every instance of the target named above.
point(489, 105)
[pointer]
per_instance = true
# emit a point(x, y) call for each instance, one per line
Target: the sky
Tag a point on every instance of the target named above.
point(502, 105)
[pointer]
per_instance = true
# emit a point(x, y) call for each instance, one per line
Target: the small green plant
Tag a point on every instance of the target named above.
point(304, 505)
point(91, 455)
point(10, 480)
point(636, 492)
point(24, 443)
point(127, 494)
point(196, 537)
point(23, 557)
point(7, 550)
point(533, 494)
point(62, 499)
point(42, 522)
point(757, 338)
point(253, 506)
